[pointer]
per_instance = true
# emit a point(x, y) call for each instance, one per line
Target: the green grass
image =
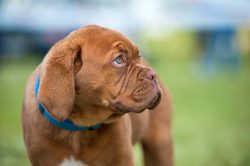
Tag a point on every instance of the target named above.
point(211, 114)
point(13, 76)
point(211, 122)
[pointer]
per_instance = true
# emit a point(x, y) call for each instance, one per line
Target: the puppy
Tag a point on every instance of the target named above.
point(91, 99)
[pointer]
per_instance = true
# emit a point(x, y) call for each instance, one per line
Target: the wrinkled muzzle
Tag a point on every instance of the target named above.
point(142, 93)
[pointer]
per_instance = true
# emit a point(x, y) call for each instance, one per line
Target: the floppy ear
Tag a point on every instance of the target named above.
point(57, 80)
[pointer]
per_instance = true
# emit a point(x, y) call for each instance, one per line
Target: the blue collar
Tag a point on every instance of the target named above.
point(65, 124)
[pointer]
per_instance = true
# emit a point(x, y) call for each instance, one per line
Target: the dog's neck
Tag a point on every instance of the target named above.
point(84, 117)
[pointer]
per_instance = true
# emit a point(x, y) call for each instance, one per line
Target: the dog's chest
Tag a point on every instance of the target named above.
point(71, 161)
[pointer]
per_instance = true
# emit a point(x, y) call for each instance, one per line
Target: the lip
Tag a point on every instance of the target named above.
point(121, 109)
point(155, 101)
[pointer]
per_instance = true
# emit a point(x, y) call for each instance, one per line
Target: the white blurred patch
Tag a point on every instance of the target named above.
point(72, 162)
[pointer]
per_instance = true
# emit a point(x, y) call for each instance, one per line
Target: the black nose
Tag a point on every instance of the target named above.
point(151, 75)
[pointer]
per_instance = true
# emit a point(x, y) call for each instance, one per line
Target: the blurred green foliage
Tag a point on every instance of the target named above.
point(211, 115)
point(178, 46)
point(13, 76)
point(211, 112)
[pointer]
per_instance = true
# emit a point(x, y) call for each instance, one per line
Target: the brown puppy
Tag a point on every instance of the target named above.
point(95, 77)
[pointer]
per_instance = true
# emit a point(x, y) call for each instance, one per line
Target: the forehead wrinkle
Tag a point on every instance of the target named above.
point(120, 46)
point(136, 51)
point(127, 47)
point(111, 40)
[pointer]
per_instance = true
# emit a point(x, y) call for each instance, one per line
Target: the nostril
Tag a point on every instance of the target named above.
point(151, 75)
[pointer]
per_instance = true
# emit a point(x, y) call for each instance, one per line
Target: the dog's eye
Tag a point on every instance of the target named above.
point(119, 61)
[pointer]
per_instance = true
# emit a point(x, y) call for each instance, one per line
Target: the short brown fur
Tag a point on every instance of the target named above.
point(78, 82)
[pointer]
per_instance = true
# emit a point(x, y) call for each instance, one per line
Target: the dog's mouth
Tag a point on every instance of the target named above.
point(121, 108)
point(145, 95)
point(155, 101)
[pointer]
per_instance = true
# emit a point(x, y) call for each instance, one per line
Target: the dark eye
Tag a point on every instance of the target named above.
point(119, 61)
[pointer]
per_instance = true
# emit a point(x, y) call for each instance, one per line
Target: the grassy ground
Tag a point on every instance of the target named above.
point(211, 118)
point(13, 75)
point(211, 123)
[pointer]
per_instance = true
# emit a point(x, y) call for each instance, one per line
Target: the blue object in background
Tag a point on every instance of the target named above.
point(220, 50)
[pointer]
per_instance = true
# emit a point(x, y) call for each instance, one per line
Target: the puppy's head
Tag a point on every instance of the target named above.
point(96, 68)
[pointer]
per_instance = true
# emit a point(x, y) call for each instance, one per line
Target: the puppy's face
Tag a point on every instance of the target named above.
point(113, 75)
point(100, 69)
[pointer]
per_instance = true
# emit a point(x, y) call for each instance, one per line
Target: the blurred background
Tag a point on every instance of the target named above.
point(200, 49)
